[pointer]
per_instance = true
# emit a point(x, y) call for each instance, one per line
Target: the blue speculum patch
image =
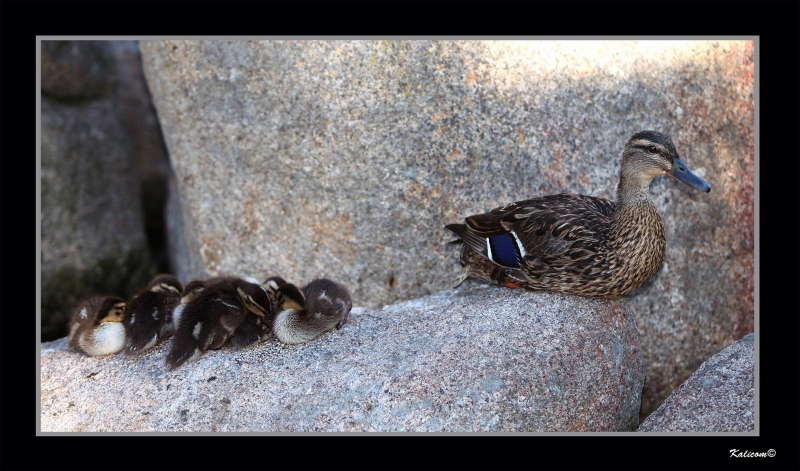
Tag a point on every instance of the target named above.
point(504, 250)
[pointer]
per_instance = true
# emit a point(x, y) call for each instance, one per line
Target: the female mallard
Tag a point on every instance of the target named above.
point(578, 244)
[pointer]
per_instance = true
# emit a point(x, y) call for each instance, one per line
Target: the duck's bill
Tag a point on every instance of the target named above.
point(681, 172)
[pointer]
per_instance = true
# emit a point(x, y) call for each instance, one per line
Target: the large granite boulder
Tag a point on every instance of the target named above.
point(347, 158)
point(718, 397)
point(478, 358)
point(92, 233)
point(150, 154)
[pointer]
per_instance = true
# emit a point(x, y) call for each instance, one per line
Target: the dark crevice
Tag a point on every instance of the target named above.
point(153, 190)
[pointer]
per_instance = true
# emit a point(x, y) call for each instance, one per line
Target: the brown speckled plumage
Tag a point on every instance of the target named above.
point(578, 244)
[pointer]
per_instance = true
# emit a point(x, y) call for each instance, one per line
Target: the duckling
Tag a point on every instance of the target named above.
point(189, 292)
point(303, 315)
point(253, 329)
point(150, 311)
point(214, 310)
point(577, 244)
point(96, 326)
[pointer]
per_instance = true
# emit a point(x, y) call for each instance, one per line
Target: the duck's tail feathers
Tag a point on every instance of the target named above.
point(461, 278)
point(466, 237)
point(456, 229)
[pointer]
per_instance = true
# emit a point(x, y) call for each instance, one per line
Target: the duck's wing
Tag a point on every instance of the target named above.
point(486, 235)
point(540, 234)
point(560, 232)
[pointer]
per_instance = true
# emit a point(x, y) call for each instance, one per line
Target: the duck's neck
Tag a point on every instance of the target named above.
point(633, 189)
point(637, 234)
point(634, 206)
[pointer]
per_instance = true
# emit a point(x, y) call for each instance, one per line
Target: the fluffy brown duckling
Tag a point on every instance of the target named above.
point(96, 326)
point(304, 314)
point(214, 310)
point(150, 312)
point(253, 329)
point(189, 292)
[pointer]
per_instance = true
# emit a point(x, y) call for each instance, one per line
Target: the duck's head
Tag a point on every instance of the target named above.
point(165, 283)
point(254, 297)
point(112, 310)
point(649, 154)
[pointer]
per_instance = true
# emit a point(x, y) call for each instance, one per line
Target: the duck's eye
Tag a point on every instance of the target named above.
point(652, 149)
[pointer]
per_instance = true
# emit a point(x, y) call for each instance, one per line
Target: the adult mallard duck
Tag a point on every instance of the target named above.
point(578, 244)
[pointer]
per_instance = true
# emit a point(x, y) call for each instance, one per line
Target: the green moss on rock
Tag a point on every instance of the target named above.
point(62, 289)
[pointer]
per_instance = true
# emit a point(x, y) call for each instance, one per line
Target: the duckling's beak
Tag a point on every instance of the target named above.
point(680, 171)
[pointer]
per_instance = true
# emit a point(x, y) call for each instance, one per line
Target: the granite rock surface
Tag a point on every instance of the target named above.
point(718, 397)
point(478, 358)
point(92, 232)
point(150, 155)
point(347, 159)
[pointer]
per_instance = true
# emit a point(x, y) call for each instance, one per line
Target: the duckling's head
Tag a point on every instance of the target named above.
point(329, 300)
point(191, 289)
point(112, 310)
point(165, 283)
point(284, 295)
point(273, 284)
point(649, 154)
point(254, 297)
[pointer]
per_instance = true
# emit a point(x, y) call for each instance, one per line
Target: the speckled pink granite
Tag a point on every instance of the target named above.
point(347, 159)
point(718, 397)
point(474, 359)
